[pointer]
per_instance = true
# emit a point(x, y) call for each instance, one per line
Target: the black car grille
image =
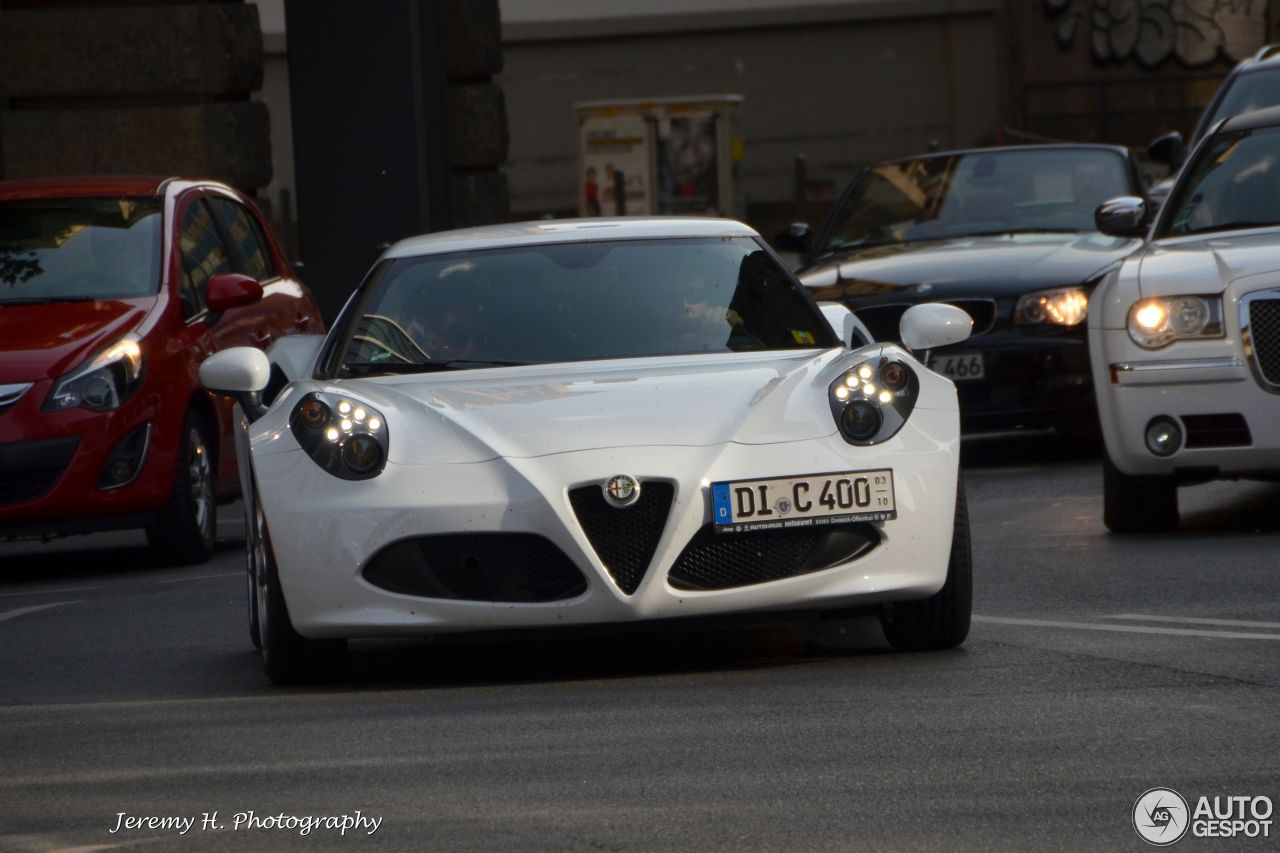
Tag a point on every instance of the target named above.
point(882, 320)
point(30, 469)
point(1225, 430)
point(721, 561)
point(1264, 331)
point(624, 538)
point(505, 567)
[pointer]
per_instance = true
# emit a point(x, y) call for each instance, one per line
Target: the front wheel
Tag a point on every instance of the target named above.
point(287, 656)
point(940, 621)
point(186, 529)
point(1137, 504)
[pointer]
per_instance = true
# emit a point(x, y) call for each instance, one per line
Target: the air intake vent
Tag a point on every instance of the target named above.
point(624, 538)
point(506, 567)
point(725, 560)
point(29, 469)
point(1227, 430)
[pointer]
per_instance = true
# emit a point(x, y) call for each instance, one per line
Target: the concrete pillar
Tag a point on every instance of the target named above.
point(163, 88)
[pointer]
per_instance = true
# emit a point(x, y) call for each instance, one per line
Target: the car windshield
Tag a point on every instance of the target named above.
point(983, 192)
point(577, 301)
point(1252, 90)
point(75, 249)
point(1233, 183)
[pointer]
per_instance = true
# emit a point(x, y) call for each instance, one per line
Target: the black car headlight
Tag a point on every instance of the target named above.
point(1155, 323)
point(345, 437)
point(872, 400)
point(1061, 306)
point(102, 383)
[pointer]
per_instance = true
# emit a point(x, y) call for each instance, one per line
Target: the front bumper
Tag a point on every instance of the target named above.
point(1191, 382)
point(1035, 378)
point(325, 531)
point(52, 464)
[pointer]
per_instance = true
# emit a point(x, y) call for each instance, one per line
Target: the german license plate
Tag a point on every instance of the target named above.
point(959, 366)
point(810, 500)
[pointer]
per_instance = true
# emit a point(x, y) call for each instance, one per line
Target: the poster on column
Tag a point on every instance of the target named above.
point(612, 145)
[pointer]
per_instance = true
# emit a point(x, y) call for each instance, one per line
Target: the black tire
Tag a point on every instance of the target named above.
point(186, 530)
point(1137, 504)
point(940, 621)
point(287, 656)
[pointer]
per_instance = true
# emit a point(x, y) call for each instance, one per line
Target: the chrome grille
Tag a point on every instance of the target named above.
point(1264, 336)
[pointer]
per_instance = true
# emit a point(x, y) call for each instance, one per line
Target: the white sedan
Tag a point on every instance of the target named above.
point(1185, 336)
point(572, 423)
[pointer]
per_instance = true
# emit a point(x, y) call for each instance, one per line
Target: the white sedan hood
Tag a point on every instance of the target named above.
point(1205, 265)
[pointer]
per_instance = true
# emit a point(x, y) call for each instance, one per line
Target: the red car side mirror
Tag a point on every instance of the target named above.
point(231, 290)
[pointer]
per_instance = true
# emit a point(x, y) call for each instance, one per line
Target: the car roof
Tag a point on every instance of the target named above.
point(993, 149)
point(566, 231)
point(1267, 56)
point(92, 185)
point(1266, 117)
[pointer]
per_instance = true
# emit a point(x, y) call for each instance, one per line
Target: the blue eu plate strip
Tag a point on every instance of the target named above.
point(720, 506)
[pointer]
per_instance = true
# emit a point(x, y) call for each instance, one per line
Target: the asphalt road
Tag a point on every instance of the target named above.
point(1098, 667)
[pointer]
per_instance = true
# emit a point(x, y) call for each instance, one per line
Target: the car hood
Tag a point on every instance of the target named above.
point(1002, 265)
point(524, 412)
point(1206, 265)
point(48, 340)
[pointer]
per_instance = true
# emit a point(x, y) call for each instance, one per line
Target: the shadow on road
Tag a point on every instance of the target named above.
point(1017, 449)
point(80, 558)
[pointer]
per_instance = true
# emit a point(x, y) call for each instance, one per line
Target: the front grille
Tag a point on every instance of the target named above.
point(624, 538)
point(504, 567)
point(1225, 430)
point(883, 320)
point(30, 469)
point(1264, 332)
point(724, 560)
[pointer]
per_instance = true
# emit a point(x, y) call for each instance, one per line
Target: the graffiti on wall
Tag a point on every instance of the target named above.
point(1193, 32)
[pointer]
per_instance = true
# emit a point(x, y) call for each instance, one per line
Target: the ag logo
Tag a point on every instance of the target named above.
point(1161, 817)
point(621, 490)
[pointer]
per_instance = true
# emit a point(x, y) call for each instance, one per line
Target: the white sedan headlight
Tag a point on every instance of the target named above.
point(1155, 323)
point(1061, 306)
point(103, 382)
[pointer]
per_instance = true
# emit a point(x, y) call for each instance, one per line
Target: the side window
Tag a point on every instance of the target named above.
point(203, 257)
point(248, 246)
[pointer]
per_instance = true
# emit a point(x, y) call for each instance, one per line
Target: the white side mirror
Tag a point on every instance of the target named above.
point(236, 370)
point(846, 324)
point(933, 324)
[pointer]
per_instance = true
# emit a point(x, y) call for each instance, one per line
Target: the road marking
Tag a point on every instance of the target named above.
point(1126, 629)
point(23, 611)
point(50, 591)
point(202, 577)
point(1230, 623)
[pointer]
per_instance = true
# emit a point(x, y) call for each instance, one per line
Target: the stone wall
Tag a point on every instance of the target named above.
point(108, 88)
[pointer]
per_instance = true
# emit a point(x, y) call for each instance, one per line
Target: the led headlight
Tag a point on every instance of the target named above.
point(1062, 306)
point(102, 383)
point(872, 400)
point(346, 438)
point(1155, 323)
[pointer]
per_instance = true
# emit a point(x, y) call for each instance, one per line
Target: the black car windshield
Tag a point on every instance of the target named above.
point(73, 249)
point(1252, 90)
point(982, 192)
point(577, 301)
point(1233, 183)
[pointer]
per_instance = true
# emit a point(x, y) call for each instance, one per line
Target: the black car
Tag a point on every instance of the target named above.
point(1253, 84)
point(1008, 235)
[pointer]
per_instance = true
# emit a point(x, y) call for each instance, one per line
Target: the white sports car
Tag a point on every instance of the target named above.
point(569, 423)
point(1185, 336)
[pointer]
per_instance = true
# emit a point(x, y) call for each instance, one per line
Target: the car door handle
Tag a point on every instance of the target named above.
point(262, 339)
point(302, 322)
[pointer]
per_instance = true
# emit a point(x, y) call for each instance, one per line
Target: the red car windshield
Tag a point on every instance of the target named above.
point(76, 249)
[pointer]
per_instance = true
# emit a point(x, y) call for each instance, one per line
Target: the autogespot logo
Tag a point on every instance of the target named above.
point(1160, 817)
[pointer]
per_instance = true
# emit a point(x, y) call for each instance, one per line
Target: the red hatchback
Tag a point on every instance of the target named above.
point(112, 291)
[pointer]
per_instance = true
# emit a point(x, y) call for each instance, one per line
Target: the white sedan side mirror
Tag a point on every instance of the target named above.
point(934, 324)
point(238, 370)
point(846, 324)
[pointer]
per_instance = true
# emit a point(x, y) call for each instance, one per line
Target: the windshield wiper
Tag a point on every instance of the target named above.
point(45, 300)
point(1229, 226)
point(369, 368)
point(1002, 231)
